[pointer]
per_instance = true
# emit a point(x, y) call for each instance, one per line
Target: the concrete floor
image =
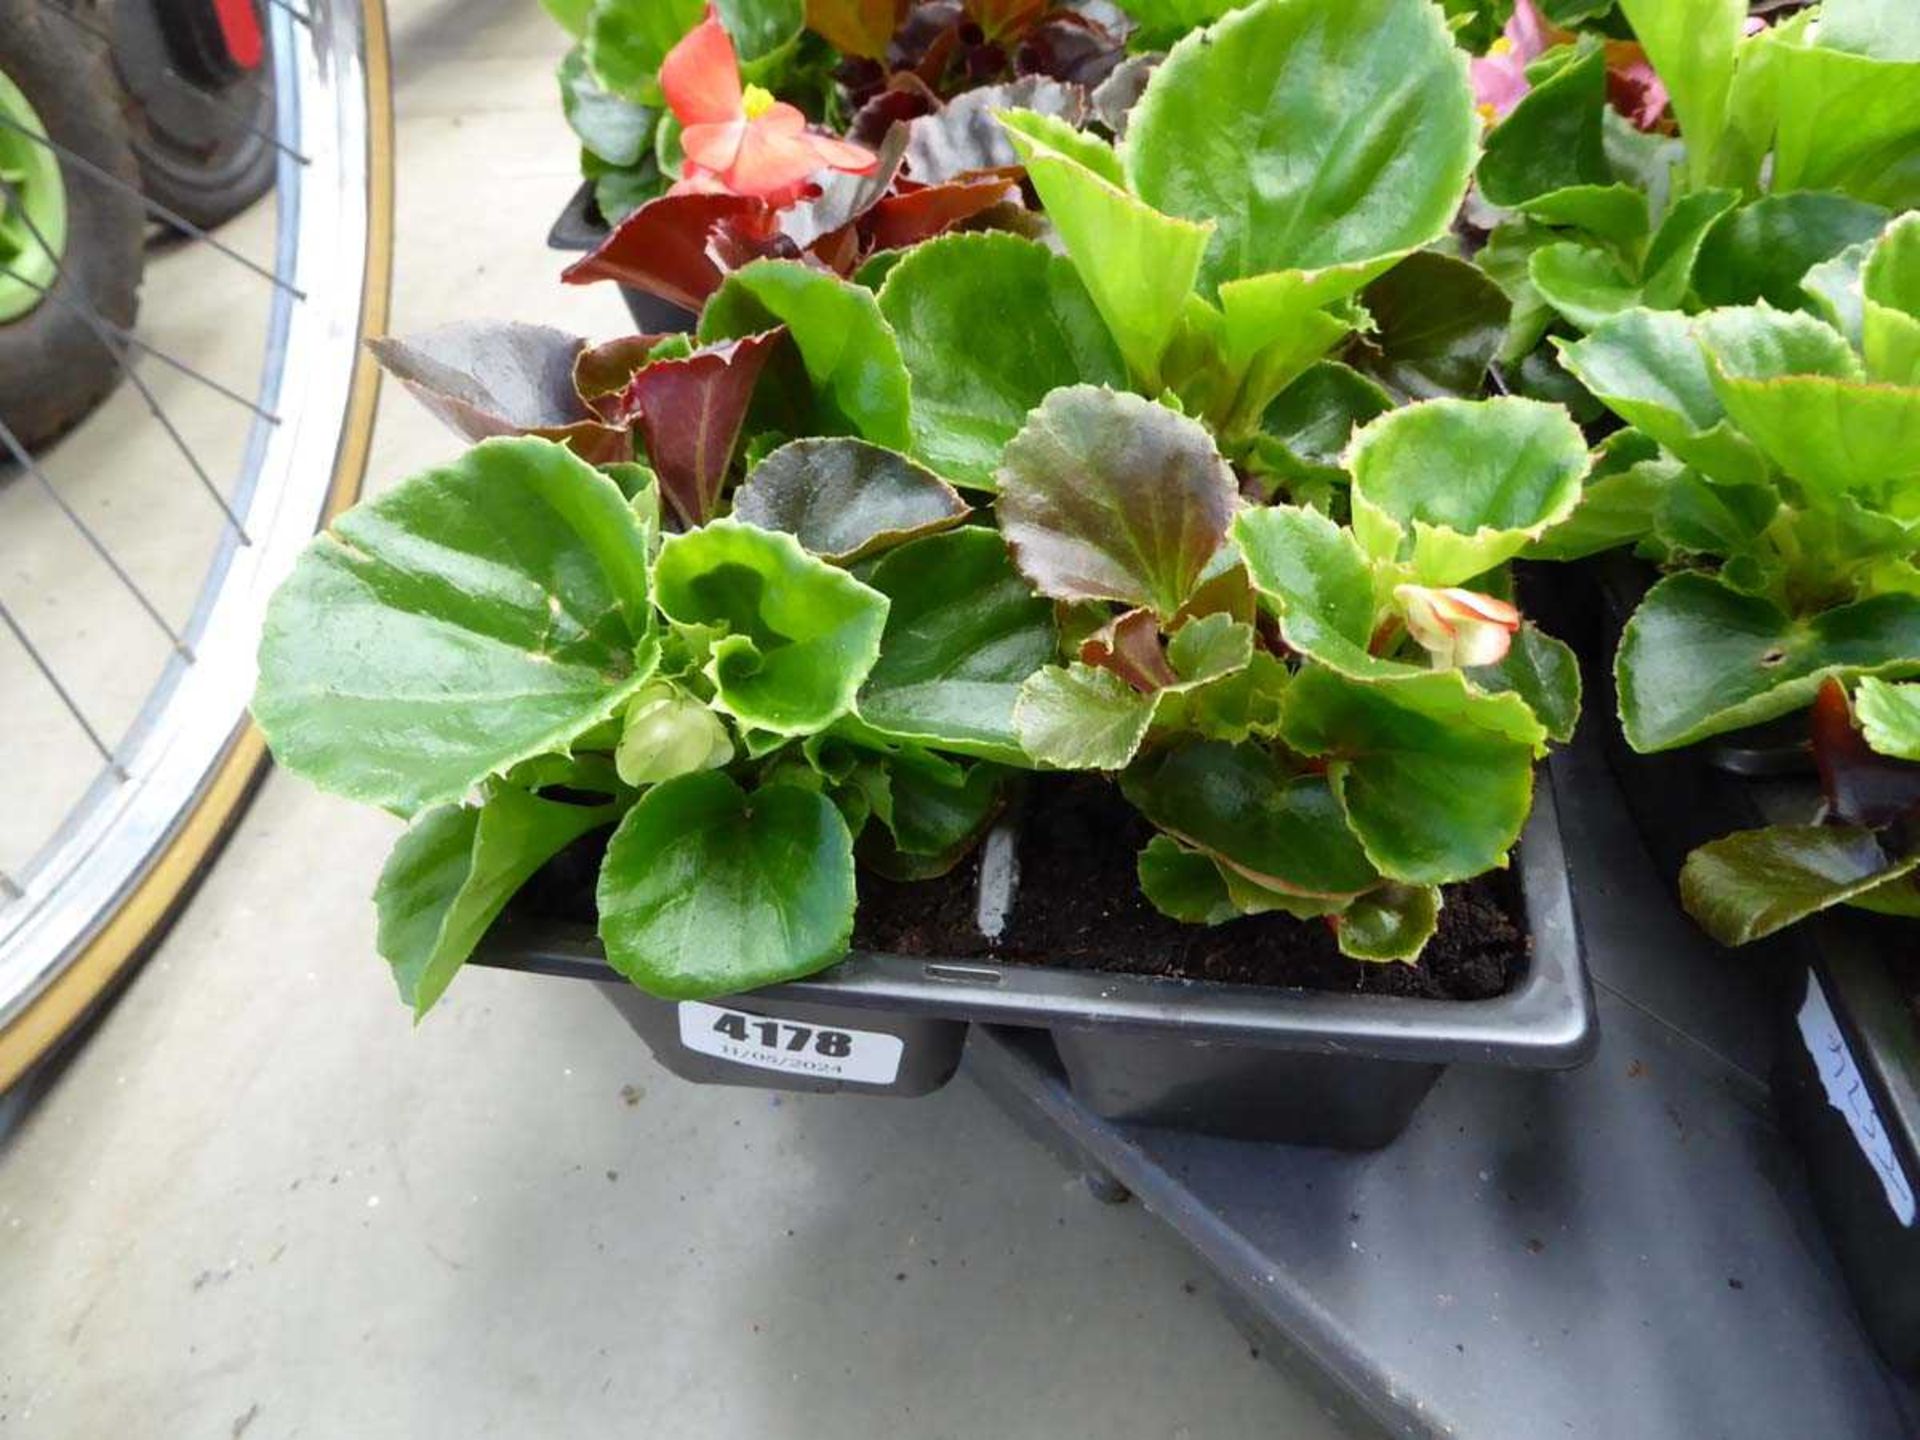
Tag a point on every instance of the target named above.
point(259, 1202)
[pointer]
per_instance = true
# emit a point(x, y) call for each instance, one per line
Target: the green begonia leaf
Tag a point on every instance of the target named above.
point(627, 39)
point(933, 818)
point(1583, 283)
point(1667, 272)
point(1699, 658)
point(1551, 141)
point(1707, 517)
point(1831, 434)
point(1797, 390)
point(569, 15)
point(1507, 259)
point(1761, 251)
point(1758, 342)
point(1454, 487)
point(1543, 672)
point(1834, 289)
point(1251, 898)
point(1318, 580)
point(1107, 496)
point(1889, 716)
point(1692, 45)
point(472, 616)
point(452, 873)
point(611, 126)
point(1235, 706)
point(963, 632)
point(1283, 831)
point(1438, 323)
point(1079, 717)
point(1138, 265)
point(852, 360)
point(1269, 330)
point(708, 890)
point(1393, 922)
point(1887, 29)
point(1183, 883)
point(1162, 22)
point(1845, 122)
point(1209, 647)
point(1308, 427)
point(1646, 367)
point(796, 635)
point(1435, 778)
point(1614, 510)
point(1314, 136)
point(988, 324)
point(1890, 304)
point(1616, 214)
point(1748, 885)
point(844, 498)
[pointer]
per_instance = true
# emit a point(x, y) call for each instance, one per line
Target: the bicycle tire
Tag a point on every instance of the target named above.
point(126, 928)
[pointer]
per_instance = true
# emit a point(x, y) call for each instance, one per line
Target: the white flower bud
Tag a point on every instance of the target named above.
point(1458, 628)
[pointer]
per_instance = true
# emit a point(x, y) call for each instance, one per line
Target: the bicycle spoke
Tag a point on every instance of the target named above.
point(127, 337)
point(11, 442)
point(66, 697)
point(97, 325)
point(172, 217)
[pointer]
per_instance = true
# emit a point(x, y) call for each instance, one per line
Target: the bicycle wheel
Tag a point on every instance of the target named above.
point(91, 869)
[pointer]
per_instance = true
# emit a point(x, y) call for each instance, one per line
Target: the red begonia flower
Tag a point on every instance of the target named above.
point(742, 141)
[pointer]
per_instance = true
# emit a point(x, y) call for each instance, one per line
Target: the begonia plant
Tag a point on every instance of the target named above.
point(1863, 851)
point(1774, 468)
point(1684, 154)
point(1320, 720)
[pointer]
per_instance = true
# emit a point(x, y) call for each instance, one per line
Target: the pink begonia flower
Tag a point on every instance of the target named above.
point(1500, 76)
point(742, 141)
point(1459, 629)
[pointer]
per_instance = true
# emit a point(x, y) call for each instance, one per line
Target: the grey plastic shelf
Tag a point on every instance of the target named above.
point(1621, 1251)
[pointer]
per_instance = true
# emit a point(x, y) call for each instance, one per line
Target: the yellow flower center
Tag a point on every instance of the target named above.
point(1501, 46)
point(756, 101)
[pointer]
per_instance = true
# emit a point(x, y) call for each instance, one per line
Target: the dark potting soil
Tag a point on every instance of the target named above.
point(1079, 905)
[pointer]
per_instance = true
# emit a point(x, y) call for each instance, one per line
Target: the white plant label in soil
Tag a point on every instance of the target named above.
point(1847, 1092)
point(824, 1052)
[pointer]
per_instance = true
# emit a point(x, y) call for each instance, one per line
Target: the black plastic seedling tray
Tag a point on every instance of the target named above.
point(1260, 1062)
point(1622, 1252)
point(580, 228)
point(1846, 1074)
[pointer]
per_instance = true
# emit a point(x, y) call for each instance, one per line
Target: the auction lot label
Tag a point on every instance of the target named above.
point(826, 1052)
